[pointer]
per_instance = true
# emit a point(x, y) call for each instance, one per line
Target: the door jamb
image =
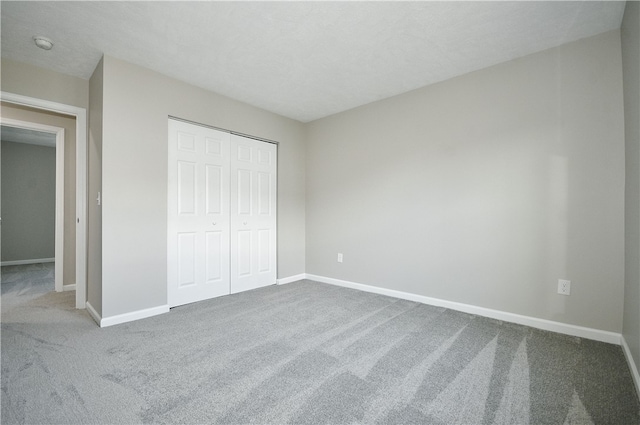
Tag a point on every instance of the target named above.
point(81, 180)
point(59, 209)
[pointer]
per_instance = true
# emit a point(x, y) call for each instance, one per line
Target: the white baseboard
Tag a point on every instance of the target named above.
point(32, 261)
point(632, 365)
point(71, 287)
point(134, 315)
point(93, 313)
point(534, 322)
point(291, 279)
point(127, 317)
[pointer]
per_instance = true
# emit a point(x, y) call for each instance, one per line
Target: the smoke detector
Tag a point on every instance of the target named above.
point(43, 42)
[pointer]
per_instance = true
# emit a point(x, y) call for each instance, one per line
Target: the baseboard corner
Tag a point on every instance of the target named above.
point(632, 364)
point(291, 279)
point(134, 315)
point(93, 313)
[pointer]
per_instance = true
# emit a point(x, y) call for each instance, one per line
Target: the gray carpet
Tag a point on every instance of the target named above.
point(302, 353)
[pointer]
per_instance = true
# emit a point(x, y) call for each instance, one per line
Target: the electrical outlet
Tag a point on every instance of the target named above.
point(564, 287)
point(339, 257)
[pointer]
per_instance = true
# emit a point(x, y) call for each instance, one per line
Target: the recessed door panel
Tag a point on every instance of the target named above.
point(264, 250)
point(186, 188)
point(264, 193)
point(214, 256)
point(244, 153)
point(186, 259)
point(244, 192)
point(213, 146)
point(186, 142)
point(264, 156)
point(244, 252)
point(213, 189)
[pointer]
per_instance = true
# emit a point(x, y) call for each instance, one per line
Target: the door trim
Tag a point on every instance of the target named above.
point(81, 180)
point(59, 210)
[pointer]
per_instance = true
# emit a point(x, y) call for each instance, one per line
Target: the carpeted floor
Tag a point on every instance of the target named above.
point(303, 353)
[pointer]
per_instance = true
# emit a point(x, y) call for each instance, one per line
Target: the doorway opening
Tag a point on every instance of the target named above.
point(33, 196)
point(80, 217)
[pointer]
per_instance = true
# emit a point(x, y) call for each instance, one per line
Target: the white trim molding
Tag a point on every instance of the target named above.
point(632, 365)
point(33, 261)
point(291, 279)
point(70, 287)
point(81, 179)
point(134, 315)
point(124, 318)
point(534, 322)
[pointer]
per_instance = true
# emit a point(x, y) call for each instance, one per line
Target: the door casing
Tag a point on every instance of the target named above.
point(81, 179)
point(59, 210)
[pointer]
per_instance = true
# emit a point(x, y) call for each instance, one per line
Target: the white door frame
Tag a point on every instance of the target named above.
point(81, 180)
point(59, 221)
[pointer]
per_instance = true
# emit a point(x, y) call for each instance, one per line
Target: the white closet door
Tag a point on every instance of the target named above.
point(253, 213)
point(198, 213)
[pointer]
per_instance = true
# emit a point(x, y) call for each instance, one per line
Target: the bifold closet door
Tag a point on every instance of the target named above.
point(253, 213)
point(198, 213)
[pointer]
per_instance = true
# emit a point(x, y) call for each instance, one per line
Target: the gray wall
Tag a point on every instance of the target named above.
point(94, 185)
point(23, 113)
point(484, 189)
point(136, 106)
point(631, 72)
point(28, 201)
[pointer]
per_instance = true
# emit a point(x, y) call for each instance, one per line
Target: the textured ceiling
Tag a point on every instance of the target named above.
point(303, 60)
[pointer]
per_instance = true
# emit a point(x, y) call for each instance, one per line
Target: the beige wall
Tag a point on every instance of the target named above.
point(136, 106)
point(69, 124)
point(631, 72)
point(29, 80)
point(484, 189)
point(94, 185)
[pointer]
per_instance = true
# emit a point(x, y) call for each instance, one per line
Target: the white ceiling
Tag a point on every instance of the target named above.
point(303, 60)
point(22, 135)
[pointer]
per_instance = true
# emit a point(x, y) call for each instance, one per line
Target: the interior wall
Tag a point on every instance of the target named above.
point(94, 185)
point(28, 201)
point(29, 80)
point(484, 189)
point(23, 113)
point(630, 34)
point(136, 105)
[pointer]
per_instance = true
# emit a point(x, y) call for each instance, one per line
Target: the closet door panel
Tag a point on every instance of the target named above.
point(253, 216)
point(221, 213)
point(198, 213)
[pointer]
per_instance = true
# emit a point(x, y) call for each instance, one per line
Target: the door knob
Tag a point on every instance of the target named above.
point(245, 223)
point(214, 223)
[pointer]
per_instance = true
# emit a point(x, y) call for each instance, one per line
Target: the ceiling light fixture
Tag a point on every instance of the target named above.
point(43, 42)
